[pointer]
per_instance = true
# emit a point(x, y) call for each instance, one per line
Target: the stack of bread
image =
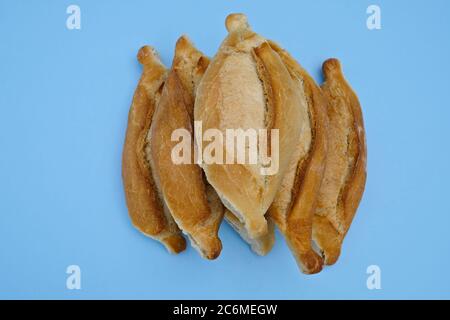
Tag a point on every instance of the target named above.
point(251, 83)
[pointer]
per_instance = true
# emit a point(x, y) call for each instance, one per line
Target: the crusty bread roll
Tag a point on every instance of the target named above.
point(345, 174)
point(182, 186)
point(144, 205)
point(294, 205)
point(247, 86)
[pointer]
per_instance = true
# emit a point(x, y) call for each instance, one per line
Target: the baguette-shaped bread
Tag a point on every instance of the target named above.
point(247, 86)
point(182, 185)
point(144, 205)
point(345, 174)
point(261, 245)
point(294, 206)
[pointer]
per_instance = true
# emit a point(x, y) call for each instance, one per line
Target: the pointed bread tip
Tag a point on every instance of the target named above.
point(174, 243)
point(236, 21)
point(183, 43)
point(185, 48)
point(147, 55)
point(331, 66)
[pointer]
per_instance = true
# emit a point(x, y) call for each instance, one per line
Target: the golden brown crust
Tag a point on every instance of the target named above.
point(231, 181)
point(285, 104)
point(236, 93)
point(181, 185)
point(344, 180)
point(144, 206)
point(189, 64)
point(297, 224)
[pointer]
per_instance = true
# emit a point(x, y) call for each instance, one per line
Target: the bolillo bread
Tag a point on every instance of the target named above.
point(297, 158)
point(294, 205)
point(196, 209)
point(247, 86)
point(145, 207)
point(345, 174)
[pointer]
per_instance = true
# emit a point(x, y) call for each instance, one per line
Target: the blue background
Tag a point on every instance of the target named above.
point(64, 100)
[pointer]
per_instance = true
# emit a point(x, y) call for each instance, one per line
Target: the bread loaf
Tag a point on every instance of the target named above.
point(345, 174)
point(294, 205)
point(247, 86)
point(181, 185)
point(145, 207)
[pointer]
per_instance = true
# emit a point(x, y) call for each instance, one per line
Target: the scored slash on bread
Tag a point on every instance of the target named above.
point(156, 200)
point(293, 208)
point(237, 91)
point(345, 173)
point(182, 186)
point(145, 207)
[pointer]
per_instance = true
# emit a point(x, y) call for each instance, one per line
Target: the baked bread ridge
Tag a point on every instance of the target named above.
point(144, 206)
point(182, 185)
point(236, 92)
point(209, 94)
point(190, 75)
point(296, 221)
point(261, 245)
point(345, 174)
